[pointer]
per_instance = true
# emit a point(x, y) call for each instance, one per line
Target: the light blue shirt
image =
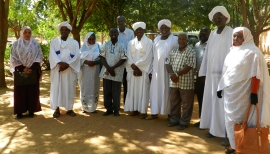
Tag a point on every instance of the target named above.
point(199, 49)
point(125, 36)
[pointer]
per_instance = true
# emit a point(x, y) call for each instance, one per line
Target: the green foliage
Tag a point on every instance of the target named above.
point(46, 51)
point(21, 13)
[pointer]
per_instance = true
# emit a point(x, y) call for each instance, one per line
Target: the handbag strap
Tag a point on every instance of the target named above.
point(244, 124)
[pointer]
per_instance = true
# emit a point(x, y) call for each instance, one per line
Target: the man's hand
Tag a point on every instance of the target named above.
point(63, 66)
point(133, 66)
point(137, 72)
point(150, 76)
point(90, 63)
point(174, 78)
point(111, 71)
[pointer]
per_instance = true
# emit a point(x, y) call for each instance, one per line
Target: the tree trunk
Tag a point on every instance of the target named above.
point(76, 35)
point(4, 6)
point(256, 38)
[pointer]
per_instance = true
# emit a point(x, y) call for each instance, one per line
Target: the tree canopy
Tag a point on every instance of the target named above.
point(100, 15)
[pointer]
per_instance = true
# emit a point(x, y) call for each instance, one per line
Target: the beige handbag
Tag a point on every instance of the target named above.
point(251, 140)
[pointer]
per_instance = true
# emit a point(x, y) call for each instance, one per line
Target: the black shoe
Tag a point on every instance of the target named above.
point(107, 113)
point(225, 142)
point(116, 113)
point(181, 127)
point(19, 116)
point(209, 135)
point(197, 124)
point(229, 150)
point(31, 115)
point(171, 124)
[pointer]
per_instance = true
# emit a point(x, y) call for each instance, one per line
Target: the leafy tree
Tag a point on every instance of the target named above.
point(76, 12)
point(255, 14)
point(21, 14)
point(47, 18)
point(4, 8)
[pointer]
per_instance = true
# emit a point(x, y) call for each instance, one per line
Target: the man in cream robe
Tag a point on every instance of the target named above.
point(218, 46)
point(139, 55)
point(159, 88)
point(65, 64)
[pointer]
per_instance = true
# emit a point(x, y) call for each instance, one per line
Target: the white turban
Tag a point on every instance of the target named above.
point(136, 25)
point(64, 24)
point(164, 22)
point(220, 9)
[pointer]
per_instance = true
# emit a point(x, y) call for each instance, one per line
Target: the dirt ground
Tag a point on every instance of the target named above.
point(94, 133)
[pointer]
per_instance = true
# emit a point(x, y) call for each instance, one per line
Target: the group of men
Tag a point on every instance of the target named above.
point(159, 71)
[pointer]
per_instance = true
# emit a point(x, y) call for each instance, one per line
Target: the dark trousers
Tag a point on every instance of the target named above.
point(180, 97)
point(125, 84)
point(111, 92)
point(199, 91)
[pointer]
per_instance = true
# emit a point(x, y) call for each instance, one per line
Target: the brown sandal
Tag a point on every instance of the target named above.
point(71, 113)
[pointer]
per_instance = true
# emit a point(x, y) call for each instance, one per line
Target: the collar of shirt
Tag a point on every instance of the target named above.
point(185, 49)
point(204, 42)
point(124, 32)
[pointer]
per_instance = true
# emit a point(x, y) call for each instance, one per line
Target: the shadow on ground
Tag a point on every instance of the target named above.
point(94, 133)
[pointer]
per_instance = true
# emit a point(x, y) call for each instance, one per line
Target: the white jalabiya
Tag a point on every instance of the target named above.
point(241, 64)
point(159, 87)
point(88, 77)
point(25, 52)
point(140, 54)
point(63, 83)
point(218, 46)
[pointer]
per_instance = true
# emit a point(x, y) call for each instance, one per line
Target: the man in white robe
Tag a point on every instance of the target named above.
point(159, 87)
point(218, 46)
point(139, 53)
point(65, 64)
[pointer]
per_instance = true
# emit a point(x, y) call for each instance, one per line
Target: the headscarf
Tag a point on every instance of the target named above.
point(166, 22)
point(25, 52)
point(220, 9)
point(87, 48)
point(64, 24)
point(136, 25)
point(248, 38)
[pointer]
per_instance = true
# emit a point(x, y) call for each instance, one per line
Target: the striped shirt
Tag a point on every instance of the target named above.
point(179, 60)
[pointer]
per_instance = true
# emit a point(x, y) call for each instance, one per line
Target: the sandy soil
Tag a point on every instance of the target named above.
point(94, 133)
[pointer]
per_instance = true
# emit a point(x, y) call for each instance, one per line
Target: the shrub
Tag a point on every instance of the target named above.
point(45, 64)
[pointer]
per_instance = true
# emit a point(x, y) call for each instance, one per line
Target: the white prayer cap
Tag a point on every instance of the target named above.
point(137, 25)
point(166, 22)
point(64, 24)
point(220, 9)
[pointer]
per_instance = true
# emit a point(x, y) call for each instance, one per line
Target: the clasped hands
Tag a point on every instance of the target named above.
point(90, 63)
point(63, 66)
point(136, 69)
point(111, 71)
point(27, 70)
point(174, 78)
point(253, 97)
